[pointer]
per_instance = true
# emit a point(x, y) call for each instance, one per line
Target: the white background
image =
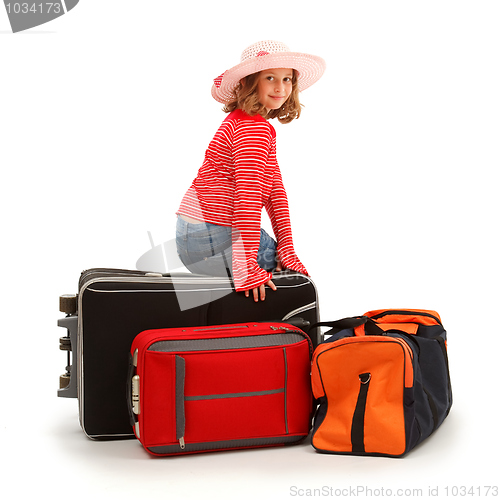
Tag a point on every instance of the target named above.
point(391, 174)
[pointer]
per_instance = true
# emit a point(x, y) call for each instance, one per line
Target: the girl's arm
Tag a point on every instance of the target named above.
point(277, 208)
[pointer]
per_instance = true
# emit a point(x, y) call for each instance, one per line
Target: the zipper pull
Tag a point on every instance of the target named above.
point(181, 443)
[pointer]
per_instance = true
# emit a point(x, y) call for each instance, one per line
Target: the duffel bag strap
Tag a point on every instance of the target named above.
point(371, 327)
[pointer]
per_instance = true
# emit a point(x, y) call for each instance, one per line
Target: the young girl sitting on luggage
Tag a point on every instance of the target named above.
point(218, 224)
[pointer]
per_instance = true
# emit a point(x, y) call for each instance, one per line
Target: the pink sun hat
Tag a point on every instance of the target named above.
point(268, 54)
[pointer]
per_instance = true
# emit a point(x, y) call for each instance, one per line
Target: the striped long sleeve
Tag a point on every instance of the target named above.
point(239, 176)
point(277, 209)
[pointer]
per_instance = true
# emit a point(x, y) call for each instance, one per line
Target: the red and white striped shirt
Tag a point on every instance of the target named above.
point(240, 176)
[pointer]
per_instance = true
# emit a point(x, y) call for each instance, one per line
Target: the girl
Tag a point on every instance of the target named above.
point(218, 223)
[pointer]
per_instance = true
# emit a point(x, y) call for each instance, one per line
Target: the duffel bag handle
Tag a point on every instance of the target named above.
point(371, 327)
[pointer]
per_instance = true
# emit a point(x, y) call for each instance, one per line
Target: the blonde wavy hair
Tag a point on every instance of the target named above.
point(246, 98)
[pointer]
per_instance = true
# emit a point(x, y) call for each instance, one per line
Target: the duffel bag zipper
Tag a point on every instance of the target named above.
point(405, 313)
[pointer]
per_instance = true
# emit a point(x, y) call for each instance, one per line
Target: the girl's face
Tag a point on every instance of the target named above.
point(274, 87)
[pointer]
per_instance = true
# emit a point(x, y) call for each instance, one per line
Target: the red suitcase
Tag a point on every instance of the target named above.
point(224, 387)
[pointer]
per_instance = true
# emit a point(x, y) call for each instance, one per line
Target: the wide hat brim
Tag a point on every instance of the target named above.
point(310, 69)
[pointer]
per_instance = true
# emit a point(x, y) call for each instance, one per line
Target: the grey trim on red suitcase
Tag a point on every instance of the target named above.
point(180, 418)
point(235, 395)
point(278, 339)
point(221, 445)
point(285, 389)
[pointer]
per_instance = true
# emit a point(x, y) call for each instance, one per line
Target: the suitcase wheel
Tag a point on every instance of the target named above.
point(67, 304)
point(64, 381)
point(65, 344)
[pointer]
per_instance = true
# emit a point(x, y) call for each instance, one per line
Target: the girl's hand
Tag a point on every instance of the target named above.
point(261, 291)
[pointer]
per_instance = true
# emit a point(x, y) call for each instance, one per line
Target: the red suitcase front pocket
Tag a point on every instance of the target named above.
point(209, 397)
point(235, 395)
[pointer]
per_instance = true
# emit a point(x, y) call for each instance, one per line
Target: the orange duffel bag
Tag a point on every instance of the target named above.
point(382, 382)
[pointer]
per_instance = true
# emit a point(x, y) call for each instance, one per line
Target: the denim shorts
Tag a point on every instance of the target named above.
point(207, 248)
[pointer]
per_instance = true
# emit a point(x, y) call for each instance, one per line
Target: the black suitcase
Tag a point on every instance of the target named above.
point(112, 306)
